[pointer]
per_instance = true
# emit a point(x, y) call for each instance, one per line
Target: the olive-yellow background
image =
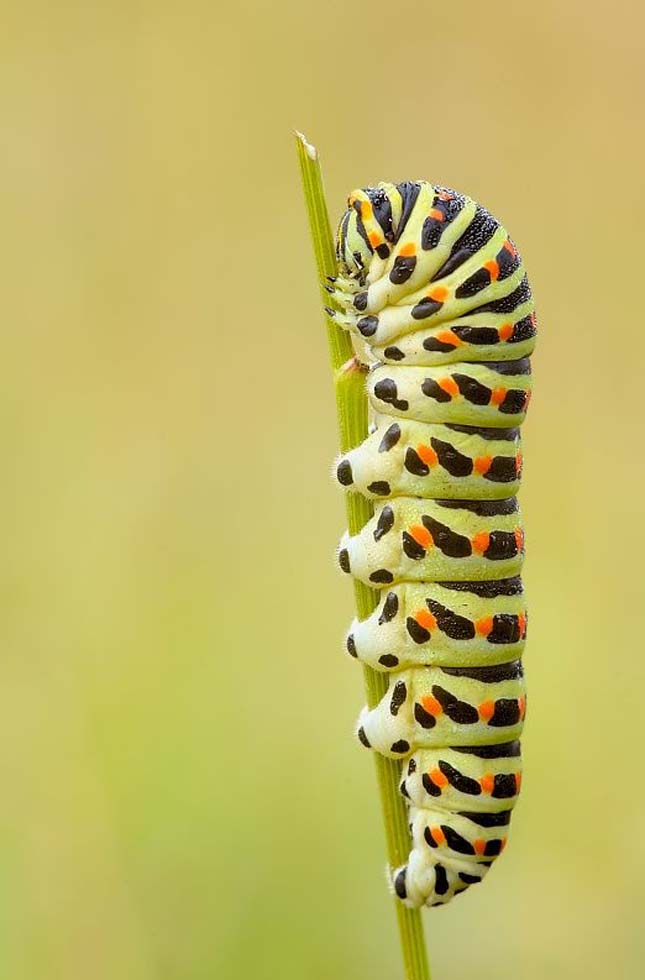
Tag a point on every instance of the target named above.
point(181, 795)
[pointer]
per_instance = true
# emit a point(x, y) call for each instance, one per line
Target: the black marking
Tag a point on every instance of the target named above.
point(393, 354)
point(507, 712)
point(399, 694)
point(362, 737)
point(343, 560)
point(385, 523)
point(522, 366)
point(409, 191)
point(388, 660)
point(380, 487)
point(441, 880)
point(506, 629)
point(488, 590)
point(351, 646)
point(503, 750)
point(503, 469)
point(486, 432)
point(463, 784)
point(486, 336)
point(389, 609)
point(472, 390)
point(385, 390)
point(493, 847)
point(480, 230)
point(402, 269)
point(344, 473)
point(501, 819)
point(431, 788)
point(524, 329)
point(418, 633)
point(488, 675)
point(424, 308)
point(429, 839)
point(360, 302)
point(507, 303)
point(368, 325)
point(504, 786)
point(412, 767)
point(484, 508)
point(382, 251)
point(451, 623)
point(431, 389)
point(501, 546)
point(514, 401)
point(411, 547)
point(456, 842)
point(474, 284)
point(382, 576)
point(448, 541)
point(456, 463)
point(399, 884)
point(401, 747)
point(469, 879)
point(458, 711)
point(435, 345)
point(390, 438)
point(423, 717)
point(414, 464)
point(382, 209)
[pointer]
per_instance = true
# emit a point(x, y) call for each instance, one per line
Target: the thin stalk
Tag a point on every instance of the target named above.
point(351, 407)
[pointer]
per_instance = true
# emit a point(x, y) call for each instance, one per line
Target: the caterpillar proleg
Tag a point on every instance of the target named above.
point(435, 297)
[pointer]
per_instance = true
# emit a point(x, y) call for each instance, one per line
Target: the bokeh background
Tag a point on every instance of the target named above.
point(181, 795)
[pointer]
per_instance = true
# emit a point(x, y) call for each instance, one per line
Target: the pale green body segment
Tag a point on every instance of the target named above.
point(378, 638)
point(371, 464)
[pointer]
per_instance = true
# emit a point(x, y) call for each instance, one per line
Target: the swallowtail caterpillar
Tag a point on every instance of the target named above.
point(434, 294)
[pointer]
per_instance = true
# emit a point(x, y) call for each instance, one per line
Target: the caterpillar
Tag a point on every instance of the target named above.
point(435, 296)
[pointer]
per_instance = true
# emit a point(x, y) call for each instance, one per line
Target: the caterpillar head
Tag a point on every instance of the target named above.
point(371, 224)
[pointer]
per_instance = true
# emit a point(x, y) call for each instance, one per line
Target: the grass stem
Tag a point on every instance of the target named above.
point(351, 406)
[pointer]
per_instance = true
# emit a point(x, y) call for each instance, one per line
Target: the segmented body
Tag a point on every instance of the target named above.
point(435, 295)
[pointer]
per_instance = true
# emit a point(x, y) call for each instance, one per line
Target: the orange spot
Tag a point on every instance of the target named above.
point(438, 835)
point(487, 782)
point(448, 337)
point(438, 778)
point(498, 395)
point(493, 269)
point(449, 385)
point(519, 459)
point(527, 399)
point(426, 619)
point(521, 622)
point(421, 535)
point(409, 249)
point(427, 454)
point(374, 239)
point(432, 706)
point(505, 331)
point(479, 845)
point(444, 196)
point(508, 245)
point(439, 293)
point(502, 844)
point(533, 319)
point(518, 781)
point(521, 703)
point(519, 538)
point(483, 464)
point(481, 541)
point(486, 710)
point(484, 625)
point(437, 214)
point(366, 210)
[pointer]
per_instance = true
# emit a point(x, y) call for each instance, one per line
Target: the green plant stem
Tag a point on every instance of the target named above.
point(351, 406)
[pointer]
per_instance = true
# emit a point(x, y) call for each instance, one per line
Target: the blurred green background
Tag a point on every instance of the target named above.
point(182, 797)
